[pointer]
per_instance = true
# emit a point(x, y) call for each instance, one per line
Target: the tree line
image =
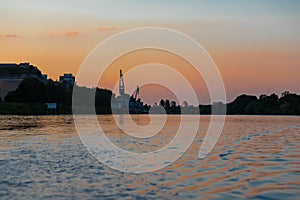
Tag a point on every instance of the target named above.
point(287, 104)
point(32, 94)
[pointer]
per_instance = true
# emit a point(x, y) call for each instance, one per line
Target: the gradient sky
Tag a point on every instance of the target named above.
point(255, 44)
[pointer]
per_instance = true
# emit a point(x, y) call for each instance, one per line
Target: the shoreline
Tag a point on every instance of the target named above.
point(228, 115)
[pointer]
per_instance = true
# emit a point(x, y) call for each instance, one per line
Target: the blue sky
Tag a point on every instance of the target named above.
point(163, 9)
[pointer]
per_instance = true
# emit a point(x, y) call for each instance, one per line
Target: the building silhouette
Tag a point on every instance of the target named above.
point(125, 103)
point(67, 79)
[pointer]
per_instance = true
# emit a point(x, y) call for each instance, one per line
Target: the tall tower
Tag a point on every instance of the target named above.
point(121, 84)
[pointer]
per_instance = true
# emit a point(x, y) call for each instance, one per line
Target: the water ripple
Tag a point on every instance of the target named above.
point(255, 158)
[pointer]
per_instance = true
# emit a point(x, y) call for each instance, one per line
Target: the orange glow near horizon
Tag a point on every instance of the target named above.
point(257, 51)
point(140, 57)
point(250, 72)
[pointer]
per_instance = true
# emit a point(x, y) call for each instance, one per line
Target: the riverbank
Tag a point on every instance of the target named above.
point(41, 109)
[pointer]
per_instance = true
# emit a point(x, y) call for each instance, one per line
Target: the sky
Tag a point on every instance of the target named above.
point(255, 44)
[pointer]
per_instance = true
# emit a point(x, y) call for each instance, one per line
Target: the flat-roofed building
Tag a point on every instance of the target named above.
point(67, 79)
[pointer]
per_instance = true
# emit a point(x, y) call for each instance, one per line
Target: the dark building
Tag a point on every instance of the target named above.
point(67, 79)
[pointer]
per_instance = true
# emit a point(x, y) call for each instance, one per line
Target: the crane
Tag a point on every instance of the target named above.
point(136, 93)
point(121, 84)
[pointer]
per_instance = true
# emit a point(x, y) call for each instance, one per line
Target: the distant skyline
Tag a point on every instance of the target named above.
point(255, 44)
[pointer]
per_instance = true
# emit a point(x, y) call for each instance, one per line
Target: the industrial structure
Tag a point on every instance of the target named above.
point(128, 104)
point(136, 106)
point(121, 84)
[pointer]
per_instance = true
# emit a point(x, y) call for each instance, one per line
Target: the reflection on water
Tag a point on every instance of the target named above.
point(255, 157)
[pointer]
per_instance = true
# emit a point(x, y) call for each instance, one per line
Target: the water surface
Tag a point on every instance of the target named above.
point(256, 157)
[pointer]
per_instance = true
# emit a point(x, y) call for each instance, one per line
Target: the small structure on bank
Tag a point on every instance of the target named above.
point(125, 103)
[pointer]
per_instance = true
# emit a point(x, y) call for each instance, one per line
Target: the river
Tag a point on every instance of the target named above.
point(256, 157)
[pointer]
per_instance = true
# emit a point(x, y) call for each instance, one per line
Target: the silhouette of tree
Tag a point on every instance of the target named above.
point(30, 90)
point(162, 103)
point(240, 103)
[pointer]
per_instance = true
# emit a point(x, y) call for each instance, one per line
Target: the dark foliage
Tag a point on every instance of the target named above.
point(30, 90)
point(33, 93)
point(287, 104)
point(16, 70)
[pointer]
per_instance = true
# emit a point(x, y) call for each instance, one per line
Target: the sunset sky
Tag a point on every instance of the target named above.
point(255, 44)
